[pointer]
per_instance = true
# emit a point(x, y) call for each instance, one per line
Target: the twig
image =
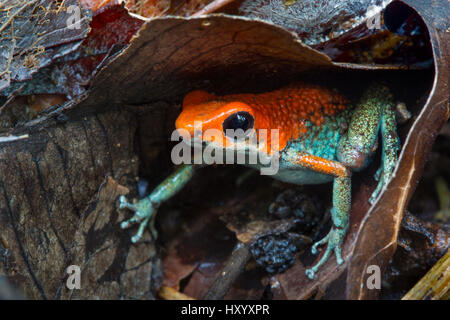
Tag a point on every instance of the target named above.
point(16, 14)
point(13, 138)
point(435, 285)
point(213, 6)
point(232, 269)
point(168, 293)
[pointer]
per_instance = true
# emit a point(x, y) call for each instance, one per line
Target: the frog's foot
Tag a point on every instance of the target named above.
point(383, 176)
point(145, 212)
point(334, 239)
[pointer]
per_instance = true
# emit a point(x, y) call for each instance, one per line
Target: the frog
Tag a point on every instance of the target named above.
point(323, 137)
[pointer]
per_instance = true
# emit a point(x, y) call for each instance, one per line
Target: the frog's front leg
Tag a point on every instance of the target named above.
point(341, 204)
point(374, 113)
point(145, 209)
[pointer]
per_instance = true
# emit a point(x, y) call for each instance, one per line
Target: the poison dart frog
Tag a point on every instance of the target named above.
point(322, 137)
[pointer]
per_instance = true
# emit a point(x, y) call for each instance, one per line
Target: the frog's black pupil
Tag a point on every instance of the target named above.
point(239, 120)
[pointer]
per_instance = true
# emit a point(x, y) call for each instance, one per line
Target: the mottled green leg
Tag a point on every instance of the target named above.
point(391, 146)
point(145, 209)
point(374, 113)
point(339, 215)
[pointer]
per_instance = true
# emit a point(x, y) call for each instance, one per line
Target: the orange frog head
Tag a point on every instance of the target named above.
point(284, 114)
point(224, 122)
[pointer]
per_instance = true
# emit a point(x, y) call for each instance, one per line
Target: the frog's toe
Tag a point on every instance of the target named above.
point(136, 238)
point(383, 179)
point(319, 243)
point(143, 221)
point(383, 176)
point(123, 203)
point(140, 232)
point(334, 240)
point(374, 196)
point(310, 274)
point(377, 175)
point(338, 253)
point(127, 223)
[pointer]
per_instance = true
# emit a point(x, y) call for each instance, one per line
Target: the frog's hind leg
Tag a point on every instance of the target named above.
point(391, 146)
point(339, 215)
point(374, 113)
point(145, 209)
point(341, 204)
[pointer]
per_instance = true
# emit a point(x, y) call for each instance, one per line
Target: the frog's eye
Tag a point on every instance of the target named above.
point(239, 120)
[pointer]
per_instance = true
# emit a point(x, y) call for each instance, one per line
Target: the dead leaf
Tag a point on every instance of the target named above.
point(111, 27)
point(27, 44)
point(377, 239)
point(111, 266)
point(53, 215)
point(315, 21)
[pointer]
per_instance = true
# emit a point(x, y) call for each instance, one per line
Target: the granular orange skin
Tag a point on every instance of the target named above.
point(286, 109)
